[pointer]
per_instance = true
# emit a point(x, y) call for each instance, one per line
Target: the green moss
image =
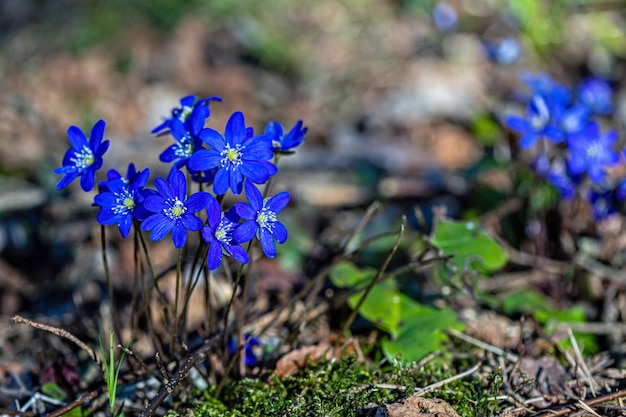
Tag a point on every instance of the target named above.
point(339, 388)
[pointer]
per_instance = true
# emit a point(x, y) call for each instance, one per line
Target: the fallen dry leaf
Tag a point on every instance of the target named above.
point(420, 407)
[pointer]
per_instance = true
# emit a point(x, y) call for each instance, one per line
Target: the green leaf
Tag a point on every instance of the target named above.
point(54, 391)
point(347, 275)
point(383, 306)
point(469, 243)
point(526, 301)
point(422, 332)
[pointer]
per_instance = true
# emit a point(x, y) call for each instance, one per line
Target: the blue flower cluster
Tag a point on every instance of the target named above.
point(234, 160)
point(577, 160)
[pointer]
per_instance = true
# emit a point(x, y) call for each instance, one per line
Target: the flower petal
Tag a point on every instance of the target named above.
point(77, 138)
point(96, 135)
point(278, 202)
point(215, 255)
point(245, 211)
point(235, 131)
point(245, 232)
point(220, 183)
point(87, 180)
point(280, 232)
point(191, 222)
point(238, 253)
point(254, 196)
point(198, 201)
point(267, 243)
point(179, 235)
point(155, 204)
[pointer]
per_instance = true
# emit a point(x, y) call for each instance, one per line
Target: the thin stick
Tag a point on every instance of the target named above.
point(181, 374)
point(61, 333)
point(485, 346)
point(436, 385)
point(379, 273)
point(579, 358)
point(569, 408)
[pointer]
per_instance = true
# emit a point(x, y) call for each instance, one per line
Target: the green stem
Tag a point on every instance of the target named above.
point(107, 277)
point(179, 258)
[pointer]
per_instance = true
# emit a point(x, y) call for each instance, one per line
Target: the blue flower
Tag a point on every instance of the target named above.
point(250, 358)
point(84, 158)
point(120, 198)
point(186, 136)
point(591, 151)
point(445, 17)
point(602, 203)
point(536, 125)
point(219, 234)
point(574, 119)
point(260, 219)
point(282, 142)
point(557, 174)
point(173, 211)
point(596, 94)
point(555, 94)
point(504, 52)
point(183, 113)
point(237, 154)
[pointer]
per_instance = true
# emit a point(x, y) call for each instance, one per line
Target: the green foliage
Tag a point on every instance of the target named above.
point(470, 245)
point(340, 387)
point(111, 372)
point(540, 307)
point(415, 329)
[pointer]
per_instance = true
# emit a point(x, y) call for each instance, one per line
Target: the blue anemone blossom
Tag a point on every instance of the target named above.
point(173, 211)
point(596, 94)
point(218, 233)
point(237, 155)
point(284, 142)
point(536, 125)
point(120, 198)
point(84, 158)
point(602, 203)
point(503, 52)
point(187, 140)
point(183, 113)
point(140, 213)
point(591, 151)
point(555, 94)
point(260, 219)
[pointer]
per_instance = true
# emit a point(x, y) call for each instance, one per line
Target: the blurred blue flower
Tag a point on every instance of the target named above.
point(183, 113)
point(504, 52)
point(236, 154)
point(536, 125)
point(556, 95)
point(602, 203)
point(591, 151)
point(260, 219)
point(282, 142)
point(558, 175)
point(84, 158)
point(596, 94)
point(250, 358)
point(445, 17)
point(120, 198)
point(173, 211)
point(218, 233)
point(574, 119)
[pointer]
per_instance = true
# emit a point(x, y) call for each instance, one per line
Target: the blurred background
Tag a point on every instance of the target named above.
point(403, 100)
